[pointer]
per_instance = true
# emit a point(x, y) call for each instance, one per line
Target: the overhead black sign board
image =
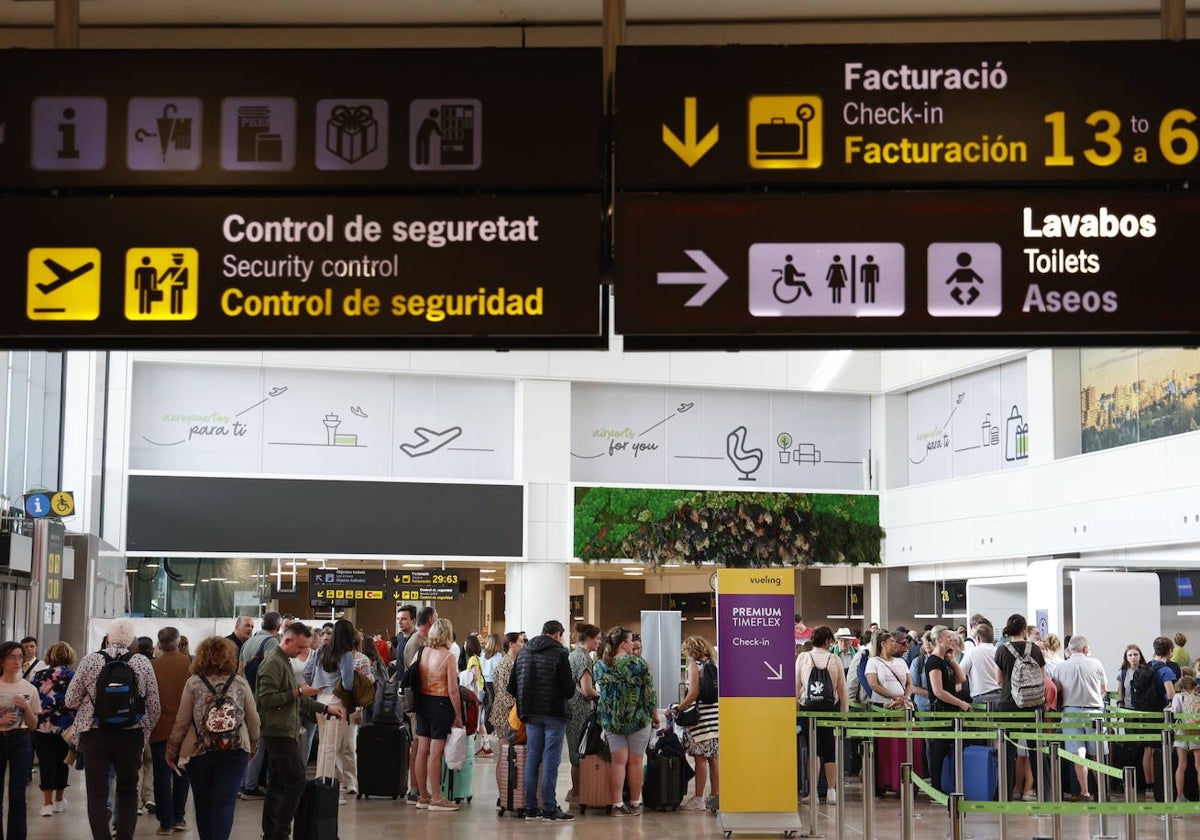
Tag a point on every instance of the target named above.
point(1051, 267)
point(896, 114)
point(330, 603)
point(415, 119)
point(435, 271)
point(372, 578)
point(427, 584)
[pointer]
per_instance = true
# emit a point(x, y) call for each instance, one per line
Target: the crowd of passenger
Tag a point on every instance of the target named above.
point(151, 725)
point(965, 668)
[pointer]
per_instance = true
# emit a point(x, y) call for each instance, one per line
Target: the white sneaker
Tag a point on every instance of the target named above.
point(60, 806)
point(343, 801)
point(47, 810)
point(831, 796)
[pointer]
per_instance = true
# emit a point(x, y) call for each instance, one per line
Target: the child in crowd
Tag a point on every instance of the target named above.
point(1186, 703)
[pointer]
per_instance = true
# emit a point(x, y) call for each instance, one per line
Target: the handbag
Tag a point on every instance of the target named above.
point(591, 741)
point(517, 726)
point(689, 716)
point(456, 748)
point(411, 684)
point(363, 694)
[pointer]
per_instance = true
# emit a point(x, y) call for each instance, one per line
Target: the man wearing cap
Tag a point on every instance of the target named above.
point(846, 646)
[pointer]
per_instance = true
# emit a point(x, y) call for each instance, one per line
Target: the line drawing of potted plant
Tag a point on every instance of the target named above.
point(785, 442)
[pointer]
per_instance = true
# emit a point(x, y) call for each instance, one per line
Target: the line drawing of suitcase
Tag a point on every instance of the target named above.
point(779, 136)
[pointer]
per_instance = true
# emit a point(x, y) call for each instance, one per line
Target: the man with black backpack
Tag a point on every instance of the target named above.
point(1153, 688)
point(115, 695)
point(253, 652)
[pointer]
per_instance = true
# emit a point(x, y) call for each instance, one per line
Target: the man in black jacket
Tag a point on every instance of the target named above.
point(541, 683)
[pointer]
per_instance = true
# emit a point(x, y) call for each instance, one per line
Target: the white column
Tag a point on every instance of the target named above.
point(82, 435)
point(537, 588)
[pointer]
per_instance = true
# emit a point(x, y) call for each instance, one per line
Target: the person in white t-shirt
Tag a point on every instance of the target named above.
point(979, 667)
point(887, 674)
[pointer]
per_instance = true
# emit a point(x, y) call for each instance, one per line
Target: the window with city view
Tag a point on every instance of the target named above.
point(1129, 395)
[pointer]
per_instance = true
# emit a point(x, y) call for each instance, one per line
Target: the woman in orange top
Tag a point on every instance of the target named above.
point(438, 709)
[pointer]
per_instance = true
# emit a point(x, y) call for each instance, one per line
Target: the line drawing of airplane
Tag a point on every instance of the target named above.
point(62, 275)
point(431, 441)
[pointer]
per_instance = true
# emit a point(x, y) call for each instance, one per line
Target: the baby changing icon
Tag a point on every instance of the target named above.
point(1016, 436)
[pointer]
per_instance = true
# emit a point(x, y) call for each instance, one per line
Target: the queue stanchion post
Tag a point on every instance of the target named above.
point(1101, 785)
point(1040, 778)
point(956, 825)
point(814, 770)
point(1130, 779)
point(868, 795)
point(1055, 790)
point(839, 761)
point(906, 801)
point(910, 715)
point(959, 787)
point(1002, 776)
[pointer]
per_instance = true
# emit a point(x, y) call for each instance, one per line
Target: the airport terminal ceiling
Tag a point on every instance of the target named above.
point(513, 12)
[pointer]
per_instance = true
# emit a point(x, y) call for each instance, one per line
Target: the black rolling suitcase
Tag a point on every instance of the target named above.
point(1191, 785)
point(383, 760)
point(663, 787)
point(317, 814)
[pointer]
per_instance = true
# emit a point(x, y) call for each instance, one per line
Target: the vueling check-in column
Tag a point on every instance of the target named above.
point(758, 699)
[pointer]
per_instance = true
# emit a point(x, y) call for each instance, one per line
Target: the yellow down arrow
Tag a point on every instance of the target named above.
point(689, 150)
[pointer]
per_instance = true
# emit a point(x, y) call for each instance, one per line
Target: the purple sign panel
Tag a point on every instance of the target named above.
point(755, 636)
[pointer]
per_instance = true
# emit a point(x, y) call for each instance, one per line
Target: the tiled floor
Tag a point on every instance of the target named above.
point(377, 819)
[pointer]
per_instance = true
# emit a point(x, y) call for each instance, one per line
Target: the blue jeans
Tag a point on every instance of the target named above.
point(308, 730)
point(253, 771)
point(544, 751)
point(216, 777)
point(170, 791)
point(16, 756)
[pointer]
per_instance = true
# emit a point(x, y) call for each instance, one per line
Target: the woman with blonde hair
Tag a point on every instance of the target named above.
point(215, 769)
point(439, 708)
point(51, 683)
point(700, 740)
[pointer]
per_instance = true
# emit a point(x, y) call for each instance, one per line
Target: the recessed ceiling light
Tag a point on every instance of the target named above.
point(575, 577)
point(187, 584)
point(414, 565)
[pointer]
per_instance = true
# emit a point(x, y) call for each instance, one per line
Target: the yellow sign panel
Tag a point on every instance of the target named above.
point(161, 284)
point(62, 503)
point(785, 132)
point(63, 284)
point(777, 581)
point(763, 755)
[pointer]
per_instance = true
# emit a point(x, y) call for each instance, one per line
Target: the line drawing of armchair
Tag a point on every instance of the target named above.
point(746, 461)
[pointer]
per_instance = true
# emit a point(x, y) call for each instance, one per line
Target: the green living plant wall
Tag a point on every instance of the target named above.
point(725, 527)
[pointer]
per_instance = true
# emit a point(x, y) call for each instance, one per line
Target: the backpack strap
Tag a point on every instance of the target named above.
point(209, 685)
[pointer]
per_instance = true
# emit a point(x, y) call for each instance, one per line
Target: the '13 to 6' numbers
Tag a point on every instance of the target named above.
point(1177, 142)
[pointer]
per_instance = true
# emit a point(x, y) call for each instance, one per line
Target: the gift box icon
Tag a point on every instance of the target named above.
point(352, 132)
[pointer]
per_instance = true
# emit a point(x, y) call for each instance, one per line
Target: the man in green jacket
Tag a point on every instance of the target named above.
point(280, 700)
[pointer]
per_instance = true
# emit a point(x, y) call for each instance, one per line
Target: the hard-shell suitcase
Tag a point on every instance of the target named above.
point(981, 773)
point(890, 753)
point(317, 813)
point(593, 790)
point(512, 778)
point(802, 767)
point(383, 760)
point(663, 787)
point(458, 784)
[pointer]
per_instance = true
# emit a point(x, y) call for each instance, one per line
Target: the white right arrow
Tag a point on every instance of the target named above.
point(775, 674)
point(709, 277)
